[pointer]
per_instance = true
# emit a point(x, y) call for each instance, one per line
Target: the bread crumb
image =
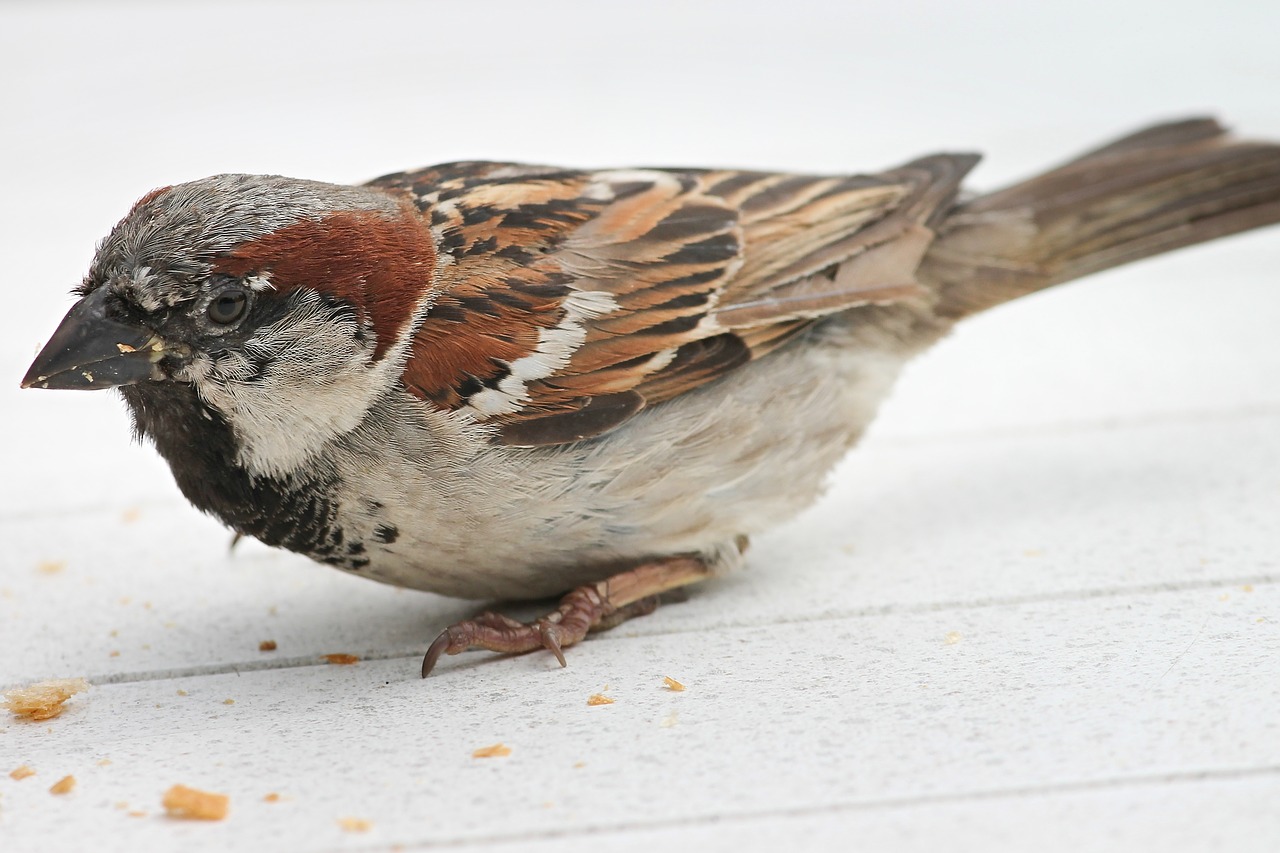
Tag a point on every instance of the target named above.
point(578, 765)
point(273, 797)
point(115, 653)
point(341, 659)
point(126, 600)
point(1247, 588)
point(355, 824)
point(498, 750)
point(103, 762)
point(669, 720)
point(228, 701)
point(129, 516)
point(267, 646)
point(188, 803)
point(63, 785)
point(672, 684)
point(51, 567)
point(122, 805)
point(183, 693)
point(20, 773)
point(137, 814)
point(599, 699)
point(43, 700)
point(952, 637)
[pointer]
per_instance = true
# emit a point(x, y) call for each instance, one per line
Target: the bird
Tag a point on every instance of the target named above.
point(493, 380)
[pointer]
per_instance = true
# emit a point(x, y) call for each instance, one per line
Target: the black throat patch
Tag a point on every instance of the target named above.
point(295, 512)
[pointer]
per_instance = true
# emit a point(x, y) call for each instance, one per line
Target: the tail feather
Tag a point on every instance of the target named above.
point(1154, 191)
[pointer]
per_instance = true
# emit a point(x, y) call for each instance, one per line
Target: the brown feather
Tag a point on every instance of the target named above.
point(597, 415)
point(557, 287)
point(380, 266)
point(1162, 188)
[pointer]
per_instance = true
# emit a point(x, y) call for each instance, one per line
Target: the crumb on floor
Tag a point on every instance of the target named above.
point(192, 804)
point(43, 700)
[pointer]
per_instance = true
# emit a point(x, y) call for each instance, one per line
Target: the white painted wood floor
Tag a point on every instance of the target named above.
point(1039, 609)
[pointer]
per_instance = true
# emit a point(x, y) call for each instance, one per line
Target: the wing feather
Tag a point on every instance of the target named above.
point(568, 300)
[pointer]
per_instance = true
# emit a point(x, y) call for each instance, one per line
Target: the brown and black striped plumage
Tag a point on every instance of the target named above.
point(686, 275)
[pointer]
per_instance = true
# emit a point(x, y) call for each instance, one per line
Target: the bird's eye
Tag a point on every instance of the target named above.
point(228, 306)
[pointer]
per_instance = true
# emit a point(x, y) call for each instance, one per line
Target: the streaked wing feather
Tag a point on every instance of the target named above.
point(694, 364)
point(594, 416)
point(570, 299)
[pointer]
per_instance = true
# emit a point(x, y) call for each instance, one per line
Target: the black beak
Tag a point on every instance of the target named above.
point(90, 351)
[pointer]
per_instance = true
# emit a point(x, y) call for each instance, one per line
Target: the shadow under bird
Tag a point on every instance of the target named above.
point(501, 380)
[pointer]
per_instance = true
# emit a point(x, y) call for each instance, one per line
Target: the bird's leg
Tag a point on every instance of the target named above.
point(594, 607)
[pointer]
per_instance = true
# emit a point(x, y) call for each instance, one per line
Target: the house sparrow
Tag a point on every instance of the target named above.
point(500, 380)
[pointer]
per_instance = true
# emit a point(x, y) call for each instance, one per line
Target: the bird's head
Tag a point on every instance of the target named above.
point(285, 304)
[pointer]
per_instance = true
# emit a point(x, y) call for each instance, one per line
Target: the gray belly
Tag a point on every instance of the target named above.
point(735, 457)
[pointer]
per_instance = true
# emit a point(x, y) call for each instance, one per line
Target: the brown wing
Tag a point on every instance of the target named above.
point(570, 299)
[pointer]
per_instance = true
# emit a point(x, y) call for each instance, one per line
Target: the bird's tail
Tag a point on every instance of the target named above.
point(1160, 189)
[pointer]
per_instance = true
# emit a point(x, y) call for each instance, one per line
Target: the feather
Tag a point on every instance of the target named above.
point(567, 299)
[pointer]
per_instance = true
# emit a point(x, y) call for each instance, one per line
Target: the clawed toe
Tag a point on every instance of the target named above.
point(498, 633)
point(550, 633)
point(434, 651)
point(594, 607)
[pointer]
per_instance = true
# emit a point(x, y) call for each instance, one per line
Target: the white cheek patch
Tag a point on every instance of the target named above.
point(299, 384)
point(555, 347)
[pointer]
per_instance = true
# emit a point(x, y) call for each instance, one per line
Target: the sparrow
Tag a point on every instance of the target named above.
point(494, 380)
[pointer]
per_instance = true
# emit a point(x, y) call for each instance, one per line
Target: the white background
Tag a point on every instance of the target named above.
point(1039, 604)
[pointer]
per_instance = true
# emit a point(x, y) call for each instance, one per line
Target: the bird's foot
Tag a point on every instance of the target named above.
point(594, 607)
